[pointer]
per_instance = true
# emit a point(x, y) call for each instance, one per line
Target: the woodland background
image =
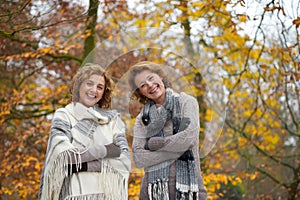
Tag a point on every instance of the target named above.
point(239, 58)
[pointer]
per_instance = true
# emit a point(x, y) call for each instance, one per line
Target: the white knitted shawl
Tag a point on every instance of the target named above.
point(78, 126)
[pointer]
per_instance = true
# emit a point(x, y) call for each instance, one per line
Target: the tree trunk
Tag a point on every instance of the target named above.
point(91, 21)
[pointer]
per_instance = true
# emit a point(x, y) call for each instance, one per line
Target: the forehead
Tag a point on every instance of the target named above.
point(99, 79)
point(142, 76)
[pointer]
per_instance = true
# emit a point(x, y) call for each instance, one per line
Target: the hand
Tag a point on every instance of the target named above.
point(185, 122)
point(156, 143)
point(95, 152)
point(112, 151)
point(94, 166)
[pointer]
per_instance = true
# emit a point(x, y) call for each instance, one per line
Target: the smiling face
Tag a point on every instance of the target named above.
point(151, 86)
point(91, 90)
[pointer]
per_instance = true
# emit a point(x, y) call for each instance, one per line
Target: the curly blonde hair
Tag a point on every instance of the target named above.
point(84, 73)
point(143, 66)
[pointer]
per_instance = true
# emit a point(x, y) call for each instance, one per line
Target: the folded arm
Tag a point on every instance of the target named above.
point(185, 139)
point(146, 158)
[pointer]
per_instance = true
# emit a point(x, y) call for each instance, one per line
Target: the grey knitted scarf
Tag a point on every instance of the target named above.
point(186, 180)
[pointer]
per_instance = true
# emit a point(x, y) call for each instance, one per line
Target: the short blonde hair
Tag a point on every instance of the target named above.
point(143, 66)
point(84, 73)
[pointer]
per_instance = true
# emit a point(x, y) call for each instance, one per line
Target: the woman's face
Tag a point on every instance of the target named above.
point(91, 90)
point(151, 86)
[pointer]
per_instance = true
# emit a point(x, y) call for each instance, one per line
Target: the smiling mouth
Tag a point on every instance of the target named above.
point(154, 90)
point(92, 96)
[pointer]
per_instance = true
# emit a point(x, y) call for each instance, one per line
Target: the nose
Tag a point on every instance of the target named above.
point(94, 88)
point(149, 83)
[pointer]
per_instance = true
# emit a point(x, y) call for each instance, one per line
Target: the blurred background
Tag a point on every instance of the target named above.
point(239, 58)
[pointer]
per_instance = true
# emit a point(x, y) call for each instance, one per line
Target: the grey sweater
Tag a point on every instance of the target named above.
point(174, 146)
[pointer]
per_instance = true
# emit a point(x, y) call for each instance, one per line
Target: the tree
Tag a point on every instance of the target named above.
point(253, 75)
point(38, 57)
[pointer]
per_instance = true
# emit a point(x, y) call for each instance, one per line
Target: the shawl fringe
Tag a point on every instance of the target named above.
point(114, 183)
point(54, 179)
point(87, 197)
point(110, 183)
point(117, 186)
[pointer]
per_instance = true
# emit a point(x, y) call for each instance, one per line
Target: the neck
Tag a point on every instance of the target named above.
point(160, 100)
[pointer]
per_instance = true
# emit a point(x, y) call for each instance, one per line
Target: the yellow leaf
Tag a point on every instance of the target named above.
point(218, 165)
point(253, 176)
point(234, 183)
point(273, 139)
point(208, 115)
point(45, 50)
point(247, 113)
point(243, 18)
point(197, 4)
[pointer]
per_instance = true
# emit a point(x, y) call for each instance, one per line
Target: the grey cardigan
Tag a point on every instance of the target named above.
point(174, 146)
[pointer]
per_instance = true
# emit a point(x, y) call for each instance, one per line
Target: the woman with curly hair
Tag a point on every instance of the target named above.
point(166, 137)
point(87, 155)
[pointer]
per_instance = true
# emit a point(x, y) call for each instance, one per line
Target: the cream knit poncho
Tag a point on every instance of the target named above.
point(74, 127)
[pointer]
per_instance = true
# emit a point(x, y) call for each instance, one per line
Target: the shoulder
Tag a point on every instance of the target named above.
point(183, 97)
point(139, 116)
point(139, 121)
point(189, 105)
point(186, 98)
point(66, 114)
point(61, 117)
point(61, 112)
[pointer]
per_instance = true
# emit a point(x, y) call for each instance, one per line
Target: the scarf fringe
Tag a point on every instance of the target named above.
point(158, 190)
point(187, 196)
point(187, 181)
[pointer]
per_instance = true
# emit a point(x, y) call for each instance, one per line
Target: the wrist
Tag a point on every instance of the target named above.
point(73, 168)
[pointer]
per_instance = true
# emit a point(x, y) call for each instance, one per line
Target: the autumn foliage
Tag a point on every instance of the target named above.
point(240, 59)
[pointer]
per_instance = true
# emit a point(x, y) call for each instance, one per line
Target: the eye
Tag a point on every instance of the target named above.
point(143, 85)
point(151, 78)
point(89, 83)
point(100, 87)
